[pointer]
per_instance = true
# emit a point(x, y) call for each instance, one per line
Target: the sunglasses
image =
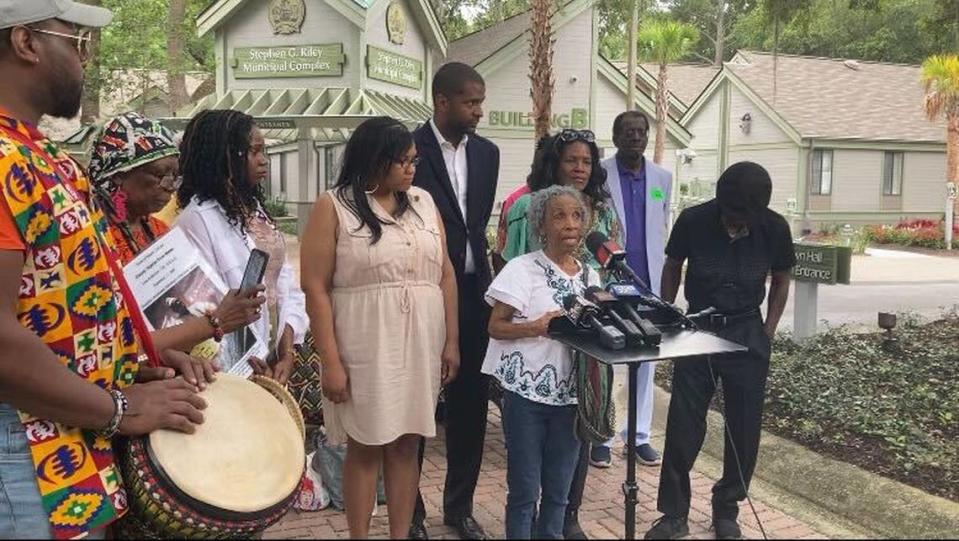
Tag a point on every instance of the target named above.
point(568, 136)
point(82, 39)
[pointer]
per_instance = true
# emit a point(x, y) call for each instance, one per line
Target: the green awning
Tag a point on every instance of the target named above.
point(323, 114)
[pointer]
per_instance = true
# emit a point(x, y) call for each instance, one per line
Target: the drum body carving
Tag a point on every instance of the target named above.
point(233, 478)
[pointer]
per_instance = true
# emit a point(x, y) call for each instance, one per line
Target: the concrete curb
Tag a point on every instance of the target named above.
point(834, 498)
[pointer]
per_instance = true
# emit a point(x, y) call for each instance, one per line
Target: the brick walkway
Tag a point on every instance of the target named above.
point(601, 515)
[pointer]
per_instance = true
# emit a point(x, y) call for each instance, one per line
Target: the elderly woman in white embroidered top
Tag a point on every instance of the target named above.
point(536, 372)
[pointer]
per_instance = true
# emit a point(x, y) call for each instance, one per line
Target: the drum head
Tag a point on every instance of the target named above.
point(247, 456)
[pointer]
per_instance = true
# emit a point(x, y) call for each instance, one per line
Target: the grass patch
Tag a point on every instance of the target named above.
point(892, 411)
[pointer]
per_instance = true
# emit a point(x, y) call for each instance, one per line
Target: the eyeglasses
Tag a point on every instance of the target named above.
point(568, 136)
point(408, 162)
point(82, 39)
point(168, 181)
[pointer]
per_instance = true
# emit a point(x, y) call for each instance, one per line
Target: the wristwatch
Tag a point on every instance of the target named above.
point(121, 406)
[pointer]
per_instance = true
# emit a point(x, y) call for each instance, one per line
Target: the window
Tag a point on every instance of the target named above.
point(821, 172)
point(283, 170)
point(892, 173)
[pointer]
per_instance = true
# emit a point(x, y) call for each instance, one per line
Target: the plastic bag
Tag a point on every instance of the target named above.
point(312, 496)
point(328, 460)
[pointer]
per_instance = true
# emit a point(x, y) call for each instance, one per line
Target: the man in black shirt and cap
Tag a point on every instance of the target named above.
point(732, 244)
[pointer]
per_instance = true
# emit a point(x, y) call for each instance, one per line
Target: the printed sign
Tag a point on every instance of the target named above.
point(393, 68)
point(293, 61)
point(822, 264)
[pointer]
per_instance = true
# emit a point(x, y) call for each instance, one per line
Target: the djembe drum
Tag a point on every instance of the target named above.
point(233, 478)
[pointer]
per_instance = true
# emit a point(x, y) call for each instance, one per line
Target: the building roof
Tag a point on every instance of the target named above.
point(833, 98)
point(220, 11)
point(480, 45)
point(686, 82)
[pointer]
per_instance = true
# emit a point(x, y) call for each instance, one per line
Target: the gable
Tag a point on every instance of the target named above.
point(355, 11)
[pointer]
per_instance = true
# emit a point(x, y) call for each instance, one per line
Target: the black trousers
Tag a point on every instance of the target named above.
point(466, 407)
point(743, 378)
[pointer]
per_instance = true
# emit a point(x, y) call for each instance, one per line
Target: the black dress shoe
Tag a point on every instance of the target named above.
point(418, 530)
point(571, 528)
point(466, 528)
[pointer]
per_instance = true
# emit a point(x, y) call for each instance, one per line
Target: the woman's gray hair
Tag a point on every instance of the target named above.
point(540, 199)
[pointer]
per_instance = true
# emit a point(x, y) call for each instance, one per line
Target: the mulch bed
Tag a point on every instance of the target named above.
point(892, 410)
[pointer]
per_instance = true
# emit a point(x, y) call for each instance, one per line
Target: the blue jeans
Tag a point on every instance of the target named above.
point(21, 511)
point(541, 455)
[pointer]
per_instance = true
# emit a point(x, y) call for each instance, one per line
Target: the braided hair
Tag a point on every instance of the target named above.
point(213, 163)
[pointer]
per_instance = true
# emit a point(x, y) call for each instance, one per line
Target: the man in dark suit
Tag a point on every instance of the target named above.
point(460, 169)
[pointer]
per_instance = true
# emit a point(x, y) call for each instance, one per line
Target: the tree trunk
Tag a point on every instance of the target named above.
point(631, 61)
point(952, 158)
point(720, 33)
point(176, 43)
point(541, 65)
point(90, 107)
point(662, 112)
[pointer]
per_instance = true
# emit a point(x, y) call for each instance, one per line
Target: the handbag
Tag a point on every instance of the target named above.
point(596, 411)
point(304, 383)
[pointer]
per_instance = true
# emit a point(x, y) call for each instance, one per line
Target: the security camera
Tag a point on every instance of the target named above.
point(686, 155)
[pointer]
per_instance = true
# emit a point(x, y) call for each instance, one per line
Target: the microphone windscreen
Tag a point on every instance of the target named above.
point(594, 241)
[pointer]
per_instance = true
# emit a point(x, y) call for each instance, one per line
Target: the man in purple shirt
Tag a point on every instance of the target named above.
point(640, 193)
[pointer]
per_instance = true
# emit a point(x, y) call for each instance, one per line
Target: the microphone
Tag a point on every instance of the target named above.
point(598, 296)
point(586, 315)
point(611, 256)
point(649, 333)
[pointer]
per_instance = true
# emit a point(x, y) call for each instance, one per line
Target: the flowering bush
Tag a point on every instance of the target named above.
point(923, 233)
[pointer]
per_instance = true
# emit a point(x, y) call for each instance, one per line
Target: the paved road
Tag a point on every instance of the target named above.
point(859, 304)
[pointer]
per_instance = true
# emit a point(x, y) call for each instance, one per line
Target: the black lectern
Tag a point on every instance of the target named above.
point(676, 345)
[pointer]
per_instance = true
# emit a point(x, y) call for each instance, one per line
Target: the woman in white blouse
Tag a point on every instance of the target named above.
point(537, 373)
point(223, 163)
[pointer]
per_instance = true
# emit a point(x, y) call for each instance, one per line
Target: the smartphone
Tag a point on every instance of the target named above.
point(255, 269)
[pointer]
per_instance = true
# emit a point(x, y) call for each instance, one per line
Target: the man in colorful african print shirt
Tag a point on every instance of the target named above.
point(69, 345)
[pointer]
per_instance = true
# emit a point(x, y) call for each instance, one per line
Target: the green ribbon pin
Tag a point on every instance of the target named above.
point(657, 193)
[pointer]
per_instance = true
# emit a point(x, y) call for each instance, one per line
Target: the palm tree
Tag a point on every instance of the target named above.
point(664, 42)
point(541, 64)
point(940, 78)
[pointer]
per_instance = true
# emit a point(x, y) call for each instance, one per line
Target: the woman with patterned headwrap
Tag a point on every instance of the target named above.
point(134, 171)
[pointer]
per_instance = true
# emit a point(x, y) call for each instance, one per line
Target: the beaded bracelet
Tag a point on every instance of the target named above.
point(217, 327)
point(121, 406)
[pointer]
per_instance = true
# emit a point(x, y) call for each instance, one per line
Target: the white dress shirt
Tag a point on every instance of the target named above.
point(455, 159)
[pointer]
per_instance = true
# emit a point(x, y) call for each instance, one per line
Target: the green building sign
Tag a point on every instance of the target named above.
point(822, 264)
point(577, 119)
point(293, 61)
point(393, 68)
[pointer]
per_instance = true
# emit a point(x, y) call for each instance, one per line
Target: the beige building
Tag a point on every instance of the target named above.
point(844, 141)
point(311, 70)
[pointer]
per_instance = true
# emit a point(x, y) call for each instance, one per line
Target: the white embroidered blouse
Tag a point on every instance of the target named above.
point(538, 369)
